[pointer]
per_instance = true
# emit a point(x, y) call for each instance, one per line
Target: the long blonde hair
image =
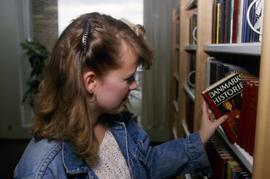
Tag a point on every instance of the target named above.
point(61, 110)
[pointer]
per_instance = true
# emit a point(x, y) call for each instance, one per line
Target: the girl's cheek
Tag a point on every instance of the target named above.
point(120, 87)
point(116, 91)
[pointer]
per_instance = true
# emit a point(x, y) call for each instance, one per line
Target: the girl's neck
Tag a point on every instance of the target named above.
point(99, 131)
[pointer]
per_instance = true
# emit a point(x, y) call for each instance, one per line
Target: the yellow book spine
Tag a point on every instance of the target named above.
point(218, 23)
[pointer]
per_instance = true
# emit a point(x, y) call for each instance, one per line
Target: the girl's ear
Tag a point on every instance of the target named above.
point(89, 80)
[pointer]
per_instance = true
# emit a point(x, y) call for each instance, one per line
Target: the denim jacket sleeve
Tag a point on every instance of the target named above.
point(176, 157)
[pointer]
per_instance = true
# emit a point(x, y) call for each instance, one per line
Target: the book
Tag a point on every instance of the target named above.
point(224, 97)
point(247, 121)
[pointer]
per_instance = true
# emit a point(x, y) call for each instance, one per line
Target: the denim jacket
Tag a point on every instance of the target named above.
point(54, 159)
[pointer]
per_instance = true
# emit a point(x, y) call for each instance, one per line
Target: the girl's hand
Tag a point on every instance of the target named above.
point(208, 123)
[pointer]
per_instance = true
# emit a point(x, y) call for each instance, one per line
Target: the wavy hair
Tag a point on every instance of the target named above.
point(61, 110)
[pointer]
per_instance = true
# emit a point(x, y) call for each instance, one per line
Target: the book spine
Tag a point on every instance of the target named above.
point(240, 21)
point(214, 21)
point(254, 102)
point(235, 21)
point(218, 24)
point(231, 20)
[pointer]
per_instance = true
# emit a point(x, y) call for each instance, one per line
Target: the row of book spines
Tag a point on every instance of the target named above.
point(223, 161)
point(217, 70)
point(247, 121)
point(229, 22)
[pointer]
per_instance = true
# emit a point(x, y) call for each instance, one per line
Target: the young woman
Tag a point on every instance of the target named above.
point(81, 128)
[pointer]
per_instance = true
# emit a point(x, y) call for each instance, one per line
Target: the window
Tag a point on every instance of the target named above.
point(70, 9)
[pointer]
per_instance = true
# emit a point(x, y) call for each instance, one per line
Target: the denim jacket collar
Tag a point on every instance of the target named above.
point(71, 161)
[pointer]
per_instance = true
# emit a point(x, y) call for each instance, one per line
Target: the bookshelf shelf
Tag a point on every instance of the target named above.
point(191, 48)
point(176, 76)
point(174, 131)
point(241, 49)
point(190, 92)
point(191, 4)
point(176, 107)
point(188, 176)
point(185, 127)
point(246, 159)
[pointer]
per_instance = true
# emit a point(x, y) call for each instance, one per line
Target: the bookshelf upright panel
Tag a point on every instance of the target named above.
point(262, 142)
point(187, 52)
point(183, 63)
point(203, 37)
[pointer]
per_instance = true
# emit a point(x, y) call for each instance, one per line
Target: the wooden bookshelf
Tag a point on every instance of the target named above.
point(174, 97)
point(258, 164)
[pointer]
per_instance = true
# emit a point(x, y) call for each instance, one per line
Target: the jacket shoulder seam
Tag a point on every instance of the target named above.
point(47, 160)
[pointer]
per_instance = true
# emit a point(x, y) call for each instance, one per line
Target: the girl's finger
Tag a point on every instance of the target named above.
point(205, 109)
point(221, 119)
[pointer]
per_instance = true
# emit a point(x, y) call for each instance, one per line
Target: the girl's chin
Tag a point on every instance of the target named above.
point(125, 100)
point(120, 108)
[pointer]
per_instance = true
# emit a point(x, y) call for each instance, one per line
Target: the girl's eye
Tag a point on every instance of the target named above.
point(130, 79)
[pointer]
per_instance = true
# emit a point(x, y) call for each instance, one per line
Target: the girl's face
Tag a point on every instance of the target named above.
point(111, 91)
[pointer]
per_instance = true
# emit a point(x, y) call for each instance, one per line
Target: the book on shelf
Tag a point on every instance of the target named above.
point(224, 97)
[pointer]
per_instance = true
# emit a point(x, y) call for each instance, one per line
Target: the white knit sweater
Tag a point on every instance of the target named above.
point(111, 162)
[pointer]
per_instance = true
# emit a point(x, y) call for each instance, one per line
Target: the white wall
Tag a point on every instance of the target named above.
point(11, 74)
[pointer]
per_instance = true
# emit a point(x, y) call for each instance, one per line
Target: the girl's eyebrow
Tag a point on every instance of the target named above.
point(131, 75)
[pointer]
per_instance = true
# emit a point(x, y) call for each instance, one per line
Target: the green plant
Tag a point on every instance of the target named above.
point(37, 56)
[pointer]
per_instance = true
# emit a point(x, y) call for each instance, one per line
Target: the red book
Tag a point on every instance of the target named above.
point(241, 138)
point(253, 114)
point(235, 21)
point(247, 121)
point(224, 97)
point(248, 118)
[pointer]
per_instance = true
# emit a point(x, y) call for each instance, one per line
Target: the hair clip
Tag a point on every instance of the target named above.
point(85, 36)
